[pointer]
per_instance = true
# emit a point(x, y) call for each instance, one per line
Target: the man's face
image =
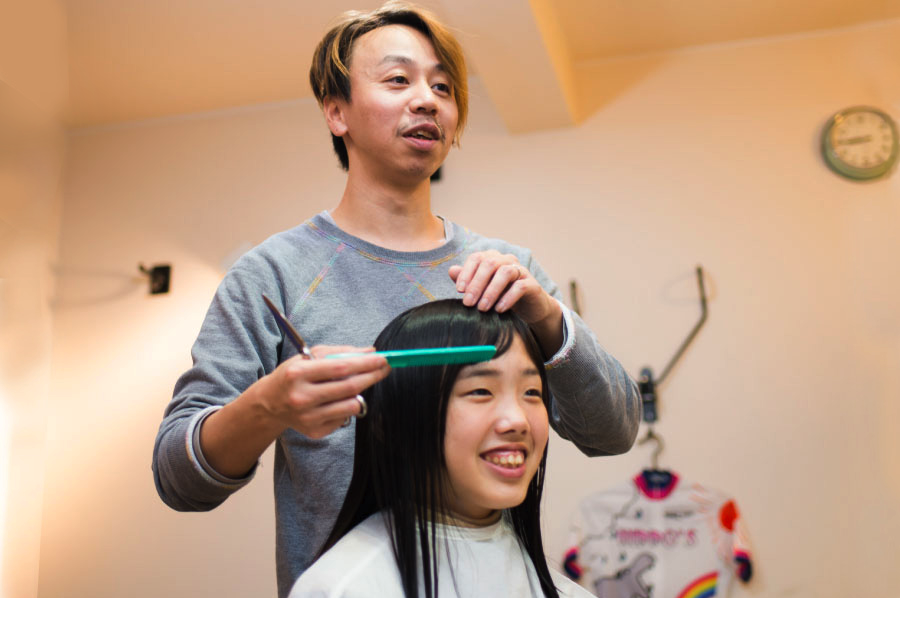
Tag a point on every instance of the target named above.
point(401, 118)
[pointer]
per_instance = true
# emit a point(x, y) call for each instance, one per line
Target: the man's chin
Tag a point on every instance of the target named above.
point(421, 171)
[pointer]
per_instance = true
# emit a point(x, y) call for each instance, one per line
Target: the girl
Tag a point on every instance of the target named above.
point(448, 471)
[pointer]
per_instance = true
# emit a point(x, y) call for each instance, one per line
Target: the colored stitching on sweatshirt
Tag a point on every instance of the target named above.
point(416, 283)
point(318, 279)
point(428, 263)
point(404, 268)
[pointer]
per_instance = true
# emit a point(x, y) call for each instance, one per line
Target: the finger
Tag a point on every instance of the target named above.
point(311, 407)
point(303, 397)
point(321, 420)
point(475, 261)
point(322, 351)
point(454, 272)
point(487, 267)
point(467, 271)
point(305, 371)
point(326, 419)
point(516, 292)
point(503, 279)
point(305, 394)
point(349, 388)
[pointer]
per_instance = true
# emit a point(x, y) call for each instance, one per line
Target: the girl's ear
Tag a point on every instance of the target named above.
point(334, 110)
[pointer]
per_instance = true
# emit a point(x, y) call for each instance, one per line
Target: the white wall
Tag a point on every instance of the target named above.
point(787, 398)
point(33, 83)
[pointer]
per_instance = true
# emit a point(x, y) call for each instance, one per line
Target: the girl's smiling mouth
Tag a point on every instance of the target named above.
point(509, 461)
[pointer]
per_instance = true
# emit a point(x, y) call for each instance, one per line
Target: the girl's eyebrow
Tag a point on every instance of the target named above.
point(486, 371)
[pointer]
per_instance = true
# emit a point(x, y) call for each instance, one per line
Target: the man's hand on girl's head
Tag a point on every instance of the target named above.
point(490, 279)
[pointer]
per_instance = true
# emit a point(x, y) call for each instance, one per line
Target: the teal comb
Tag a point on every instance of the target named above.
point(429, 356)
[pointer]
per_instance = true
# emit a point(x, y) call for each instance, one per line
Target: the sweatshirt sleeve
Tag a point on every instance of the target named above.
point(235, 348)
point(595, 404)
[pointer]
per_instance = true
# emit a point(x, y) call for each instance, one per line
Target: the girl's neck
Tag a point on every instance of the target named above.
point(460, 520)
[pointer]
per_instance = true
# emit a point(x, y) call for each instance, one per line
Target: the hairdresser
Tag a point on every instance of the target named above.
point(392, 87)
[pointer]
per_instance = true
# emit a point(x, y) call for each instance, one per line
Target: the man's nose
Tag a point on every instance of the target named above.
point(424, 100)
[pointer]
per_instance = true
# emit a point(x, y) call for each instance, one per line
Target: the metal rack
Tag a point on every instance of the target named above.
point(647, 384)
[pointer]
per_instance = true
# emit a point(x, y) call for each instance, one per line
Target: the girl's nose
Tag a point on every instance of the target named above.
point(511, 417)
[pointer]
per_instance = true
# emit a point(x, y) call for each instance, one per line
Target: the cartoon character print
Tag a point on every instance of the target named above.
point(627, 582)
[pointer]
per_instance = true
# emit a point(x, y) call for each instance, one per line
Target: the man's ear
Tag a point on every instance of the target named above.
point(334, 115)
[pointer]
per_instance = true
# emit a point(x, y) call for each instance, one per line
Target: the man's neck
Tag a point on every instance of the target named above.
point(390, 216)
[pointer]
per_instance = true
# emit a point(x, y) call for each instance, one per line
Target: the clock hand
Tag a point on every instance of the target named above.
point(856, 140)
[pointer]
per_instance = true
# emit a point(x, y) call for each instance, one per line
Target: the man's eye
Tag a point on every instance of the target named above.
point(398, 79)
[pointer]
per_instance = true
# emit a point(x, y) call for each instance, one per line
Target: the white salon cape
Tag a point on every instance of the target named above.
point(486, 562)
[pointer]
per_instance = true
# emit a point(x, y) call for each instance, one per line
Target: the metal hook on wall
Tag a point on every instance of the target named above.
point(647, 384)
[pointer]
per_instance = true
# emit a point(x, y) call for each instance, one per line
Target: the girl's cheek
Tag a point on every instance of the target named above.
point(541, 433)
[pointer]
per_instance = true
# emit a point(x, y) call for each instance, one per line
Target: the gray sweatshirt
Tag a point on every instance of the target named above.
point(337, 289)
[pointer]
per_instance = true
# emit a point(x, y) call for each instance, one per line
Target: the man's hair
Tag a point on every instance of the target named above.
point(329, 74)
point(399, 464)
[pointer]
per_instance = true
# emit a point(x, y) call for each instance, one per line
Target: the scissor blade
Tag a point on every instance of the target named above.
point(288, 330)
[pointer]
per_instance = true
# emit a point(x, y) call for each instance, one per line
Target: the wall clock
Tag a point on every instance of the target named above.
point(860, 143)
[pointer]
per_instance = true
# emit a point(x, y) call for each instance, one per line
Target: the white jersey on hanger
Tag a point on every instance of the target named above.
point(645, 539)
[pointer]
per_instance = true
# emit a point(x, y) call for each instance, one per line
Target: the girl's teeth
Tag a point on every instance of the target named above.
point(509, 461)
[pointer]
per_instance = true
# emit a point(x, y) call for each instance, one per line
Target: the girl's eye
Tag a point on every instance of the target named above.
point(399, 79)
point(533, 392)
point(442, 87)
point(479, 392)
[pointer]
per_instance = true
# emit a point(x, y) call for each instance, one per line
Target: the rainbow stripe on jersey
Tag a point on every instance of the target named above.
point(703, 586)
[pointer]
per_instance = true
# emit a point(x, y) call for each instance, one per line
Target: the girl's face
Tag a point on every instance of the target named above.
point(496, 434)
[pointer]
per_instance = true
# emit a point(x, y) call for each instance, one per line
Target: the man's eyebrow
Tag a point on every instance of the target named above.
point(396, 59)
point(406, 61)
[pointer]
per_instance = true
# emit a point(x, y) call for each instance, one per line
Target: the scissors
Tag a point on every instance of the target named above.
point(289, 331)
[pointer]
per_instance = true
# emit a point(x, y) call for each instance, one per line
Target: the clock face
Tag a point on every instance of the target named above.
point(860, 142)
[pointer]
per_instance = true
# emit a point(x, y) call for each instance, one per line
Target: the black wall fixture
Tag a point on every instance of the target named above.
point(160, 277)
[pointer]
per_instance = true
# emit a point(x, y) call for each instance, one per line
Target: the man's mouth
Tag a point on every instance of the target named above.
point(427, 131)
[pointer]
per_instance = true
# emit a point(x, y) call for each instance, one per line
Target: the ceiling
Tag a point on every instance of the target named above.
point(137, 59)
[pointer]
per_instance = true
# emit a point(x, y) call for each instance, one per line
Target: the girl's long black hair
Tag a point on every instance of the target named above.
point(399, 463)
